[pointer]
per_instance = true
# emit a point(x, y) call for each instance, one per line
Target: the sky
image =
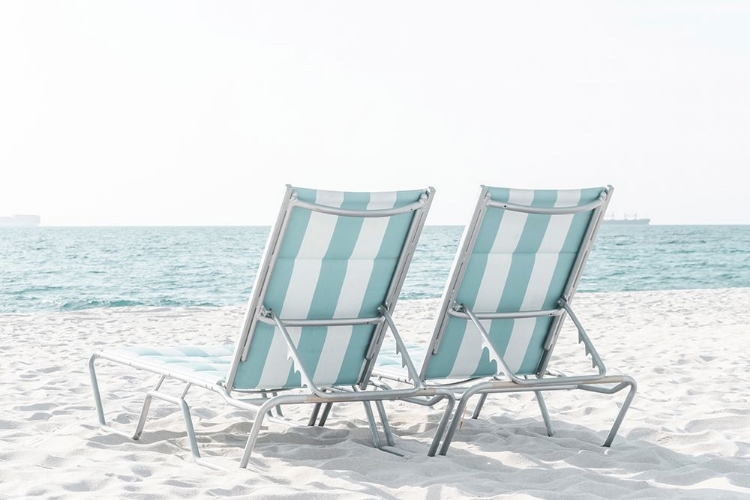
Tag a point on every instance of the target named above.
point(200, 112)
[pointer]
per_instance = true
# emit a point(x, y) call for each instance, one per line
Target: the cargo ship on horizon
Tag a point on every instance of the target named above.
point(626, 220)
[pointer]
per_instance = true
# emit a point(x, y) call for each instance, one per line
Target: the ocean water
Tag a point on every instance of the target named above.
point(74, 268)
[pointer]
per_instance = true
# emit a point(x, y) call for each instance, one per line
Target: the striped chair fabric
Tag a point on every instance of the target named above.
point(208, 362)
point(519, 262)
point(328, 267)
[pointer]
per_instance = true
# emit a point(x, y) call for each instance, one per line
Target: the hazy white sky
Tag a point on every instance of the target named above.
point(185, 112)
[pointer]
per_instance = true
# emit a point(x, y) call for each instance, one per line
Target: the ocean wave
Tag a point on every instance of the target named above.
point(215, 267)
point(80, 305)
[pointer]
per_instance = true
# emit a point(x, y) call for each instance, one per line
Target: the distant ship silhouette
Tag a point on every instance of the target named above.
point(20, 220)
point(626, 220)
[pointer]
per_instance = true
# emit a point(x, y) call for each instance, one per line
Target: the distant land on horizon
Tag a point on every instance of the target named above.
point(25, 220)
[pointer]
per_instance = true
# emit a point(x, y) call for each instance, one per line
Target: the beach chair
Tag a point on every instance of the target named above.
point(320, 307)
point(511, 286)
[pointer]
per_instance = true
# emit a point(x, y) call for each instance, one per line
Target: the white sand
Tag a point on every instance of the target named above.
point(687, 434)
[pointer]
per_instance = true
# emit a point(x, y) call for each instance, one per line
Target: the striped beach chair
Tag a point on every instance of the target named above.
point(321, 304)
point(511, 286)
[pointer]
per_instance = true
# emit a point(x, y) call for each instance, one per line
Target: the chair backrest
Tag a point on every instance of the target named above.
point(331, 261)
point(523, 251)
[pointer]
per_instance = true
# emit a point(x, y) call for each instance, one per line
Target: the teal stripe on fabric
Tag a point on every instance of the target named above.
point(382, 274)
point(499, 193)
point(521, 267)
point(282, 271)
point(356, 201)
point(500, 331)
point(404, 198)
point(249, 373)
point(590, 195)
point(535, 350)
point(567, 258)
point(305, 194)
point(441, 364)
point(354, 359)
point(328, 289)
point(309, 349)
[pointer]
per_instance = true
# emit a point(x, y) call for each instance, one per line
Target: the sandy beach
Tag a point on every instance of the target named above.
point(686, 435)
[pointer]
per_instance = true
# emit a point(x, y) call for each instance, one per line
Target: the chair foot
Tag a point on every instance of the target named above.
point(629, 382)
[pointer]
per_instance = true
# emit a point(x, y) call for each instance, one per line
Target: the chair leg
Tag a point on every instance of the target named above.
point(479, 406)
point(324, 416)
point(100, 406)
point(154, 393)
point(144, 411)
point(279, 413)
point(457, 418)
point(97, 395)
point(627, 382)
point(314, 415)
point(373, 426)
point(623, 411)
point(313, 420)
point(384, 422)
point(255, 430)
point(441, 426)
point(545, 413)
point(260, 414)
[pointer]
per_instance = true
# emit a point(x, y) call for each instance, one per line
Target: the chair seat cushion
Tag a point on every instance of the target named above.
point(210, 363)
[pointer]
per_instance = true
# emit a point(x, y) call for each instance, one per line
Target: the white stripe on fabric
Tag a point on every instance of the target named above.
point(494, 280)
point(358, 273)
point(332, 356)
point(361, 262)
point(329, 198)
point(309, 259)
point(541, 278)
point(275, 373)
point(380, 201)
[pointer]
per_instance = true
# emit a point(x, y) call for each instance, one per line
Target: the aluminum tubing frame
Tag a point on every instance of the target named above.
point(541, 385)
point(339, 397)
point(428, 400)
point(262, 409)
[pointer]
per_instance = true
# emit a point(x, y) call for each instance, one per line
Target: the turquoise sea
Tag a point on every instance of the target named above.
point(74, 268)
